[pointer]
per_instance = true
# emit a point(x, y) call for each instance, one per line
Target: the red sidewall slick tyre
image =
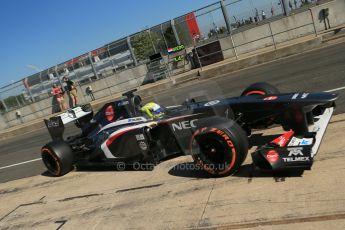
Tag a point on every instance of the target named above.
point(219, 149)
point(57, 156)
point(254, 92)
point(260, 88)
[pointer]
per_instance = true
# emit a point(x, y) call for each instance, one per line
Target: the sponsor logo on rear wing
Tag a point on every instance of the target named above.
point(75, 113)
point(56, 125)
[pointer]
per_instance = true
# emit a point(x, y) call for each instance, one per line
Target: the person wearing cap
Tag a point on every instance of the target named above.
point(58, 94)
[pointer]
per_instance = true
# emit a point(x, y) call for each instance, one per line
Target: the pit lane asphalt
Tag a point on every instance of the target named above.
point(319, 70)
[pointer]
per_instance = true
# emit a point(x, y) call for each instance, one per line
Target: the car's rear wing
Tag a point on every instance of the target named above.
point(56, 124)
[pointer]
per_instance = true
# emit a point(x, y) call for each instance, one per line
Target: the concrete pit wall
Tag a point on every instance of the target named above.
point(118, 82)
point(253, 39)
point(31, 112)
point(336, 14)
point(261, 36)
point(303, 23)
point(227, 47)
point(3, 123)
point(262, 58)
point(304, 20)
point(115, 83)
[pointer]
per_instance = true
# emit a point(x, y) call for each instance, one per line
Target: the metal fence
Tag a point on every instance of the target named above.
point(221, 20)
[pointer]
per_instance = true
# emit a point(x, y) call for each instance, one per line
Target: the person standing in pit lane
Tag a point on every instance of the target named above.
point(58, 94)
point(72, 89)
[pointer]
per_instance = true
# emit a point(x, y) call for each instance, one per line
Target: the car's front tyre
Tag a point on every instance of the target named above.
point(260, 88)
point(219, 146)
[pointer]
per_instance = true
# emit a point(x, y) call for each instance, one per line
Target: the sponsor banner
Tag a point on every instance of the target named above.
point(296, 155)
point(109, 113)
point(271, 98)
point(300, 141)
point(140, 137)
point(272, 156)
point(300, 96)
point(283, 139)
point(183, 125)
point(193, 26)
point(176, 49)
point(211, 103)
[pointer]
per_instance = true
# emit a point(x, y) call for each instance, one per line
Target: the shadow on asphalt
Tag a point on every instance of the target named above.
point(246, 171)
point(190, 170)
point(47, 174)
point(83, 169)
point(249, 171)
point(106, 168)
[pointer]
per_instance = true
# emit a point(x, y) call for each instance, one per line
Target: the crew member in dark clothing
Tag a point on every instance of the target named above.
point(72, 89)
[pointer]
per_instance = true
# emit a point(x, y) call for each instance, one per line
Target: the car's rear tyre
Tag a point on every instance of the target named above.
point(58, 157)
point(260, 88)
point(219, 146)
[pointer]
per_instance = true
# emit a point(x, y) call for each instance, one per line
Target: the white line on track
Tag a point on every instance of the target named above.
point(21, 163)
point(333, 90)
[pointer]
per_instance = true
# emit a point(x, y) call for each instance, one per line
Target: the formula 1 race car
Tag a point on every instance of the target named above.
point(215, 133)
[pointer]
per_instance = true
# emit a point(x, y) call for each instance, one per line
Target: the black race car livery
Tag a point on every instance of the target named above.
point(215, 133)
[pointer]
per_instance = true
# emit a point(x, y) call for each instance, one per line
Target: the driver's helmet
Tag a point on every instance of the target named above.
point(153, 110)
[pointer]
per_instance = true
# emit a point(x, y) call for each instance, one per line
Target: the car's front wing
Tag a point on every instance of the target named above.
point(291, 151)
